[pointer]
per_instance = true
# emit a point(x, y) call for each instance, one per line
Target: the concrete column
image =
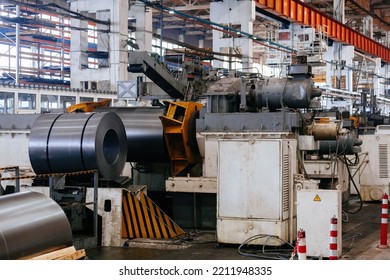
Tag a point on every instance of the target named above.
point(377, 86)
point(329, 66)
point(368, 26)
point(116, 43)
point(181, 37)
point(78, 46)
point(388, 38)
point(348, 55)
point(339, 10)
point(201, 42)
point(232, 13)
point(339, 14)
point(143, 23)
point(103, 40)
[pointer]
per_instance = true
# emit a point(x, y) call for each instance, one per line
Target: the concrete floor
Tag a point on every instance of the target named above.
point(361, 233)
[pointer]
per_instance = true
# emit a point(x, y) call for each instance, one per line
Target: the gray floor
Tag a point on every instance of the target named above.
point(361, 233)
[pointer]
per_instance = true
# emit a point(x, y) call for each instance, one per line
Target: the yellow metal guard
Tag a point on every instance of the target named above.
point(180, 137)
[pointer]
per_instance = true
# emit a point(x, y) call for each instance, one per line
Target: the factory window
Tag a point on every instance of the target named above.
point(232, 30)
point(27, 101)
point(86, 99)
point(6, 103)
point(66, 101)
point(48, 103)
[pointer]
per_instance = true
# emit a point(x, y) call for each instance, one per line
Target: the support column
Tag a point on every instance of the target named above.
point(238, 15)
point(78, 57)
point(338, 14)
point(347, 56)
point(103, 39)
point(368, 26)
point(384, 87)
point(143, 23)
point(116, 41)
point(201, 42)
point(377, 87)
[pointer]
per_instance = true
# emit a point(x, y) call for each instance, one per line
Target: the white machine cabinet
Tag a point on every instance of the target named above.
point(375, 171)
point(255, 178)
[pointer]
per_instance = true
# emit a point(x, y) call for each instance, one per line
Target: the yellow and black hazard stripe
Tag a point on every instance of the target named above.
point(48, 175)
point(142, 218)
point(8, 168)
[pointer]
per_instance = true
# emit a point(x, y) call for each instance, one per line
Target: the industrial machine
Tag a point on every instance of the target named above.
point(253, 142)
point(256, 135)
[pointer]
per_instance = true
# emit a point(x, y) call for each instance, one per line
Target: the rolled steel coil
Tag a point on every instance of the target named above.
point(144, 133)
point(61, 143)
point(31, 224)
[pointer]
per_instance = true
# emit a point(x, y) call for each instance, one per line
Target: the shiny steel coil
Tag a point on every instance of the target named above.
point(61, 143)
point(31, 224)
point(144, 132)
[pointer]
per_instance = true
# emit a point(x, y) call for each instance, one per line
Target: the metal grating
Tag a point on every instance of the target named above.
point(286, 182)
point(383, 161)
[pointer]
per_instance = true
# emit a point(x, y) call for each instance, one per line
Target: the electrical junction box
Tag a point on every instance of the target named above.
point(315, 208)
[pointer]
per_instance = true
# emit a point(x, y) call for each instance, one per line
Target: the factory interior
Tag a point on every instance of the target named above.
point(194, 129)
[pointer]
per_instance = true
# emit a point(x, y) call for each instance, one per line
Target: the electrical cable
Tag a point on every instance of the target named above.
point(352, 242)
point(279, 254)
point(194, 238)
point(346, 216)
point(54, 5)
point(356, 188)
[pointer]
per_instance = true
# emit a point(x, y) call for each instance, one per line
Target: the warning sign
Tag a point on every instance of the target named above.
point(317, 198)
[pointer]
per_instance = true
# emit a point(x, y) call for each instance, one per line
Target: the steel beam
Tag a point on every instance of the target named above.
point(300, 12)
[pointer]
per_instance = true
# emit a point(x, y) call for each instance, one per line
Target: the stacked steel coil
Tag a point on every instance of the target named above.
point(144, 132)
point(31, 224)
point(61, 143)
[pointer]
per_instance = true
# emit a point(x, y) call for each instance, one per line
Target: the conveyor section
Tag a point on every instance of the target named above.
point(142, 62)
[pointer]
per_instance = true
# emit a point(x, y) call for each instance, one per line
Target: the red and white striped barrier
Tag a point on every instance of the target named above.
point(301, 244)
point(384, 221)
point(333, 239)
